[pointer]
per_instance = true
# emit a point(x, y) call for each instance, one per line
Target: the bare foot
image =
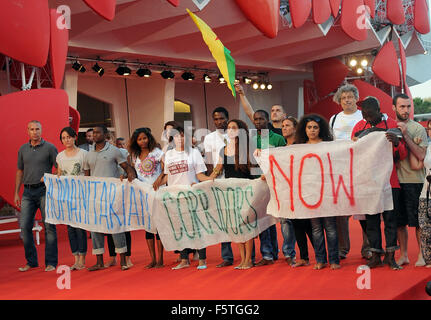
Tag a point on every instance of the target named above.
point(96, 267)
point(319, 266)
point(152, 264)
point(300, 263)
point(111, 263)
point(403, 260)
point(247, 266)
point(335, 266)
point(420, 262)
point(159, 265)
point(428, 266)
point(240, 265)
point(181, 266)
point(129, 262)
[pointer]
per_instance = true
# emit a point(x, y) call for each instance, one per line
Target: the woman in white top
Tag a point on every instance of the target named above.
point(70, 162)
point(184, 166)
point(146, 158)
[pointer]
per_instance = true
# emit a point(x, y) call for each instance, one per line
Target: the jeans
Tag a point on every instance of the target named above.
point(226, 252)
point(289, 239)
point(390, 219)
point(184, 254)
point(99, 242)
point(320, 226)
point(269, 243)
point(77, 240)
point(302, 228)
point(111, 245)
point(343, 235)
point(33, 199)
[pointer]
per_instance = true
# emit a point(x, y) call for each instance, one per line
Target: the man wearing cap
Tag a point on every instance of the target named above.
point(373, 118)
point(35, 158)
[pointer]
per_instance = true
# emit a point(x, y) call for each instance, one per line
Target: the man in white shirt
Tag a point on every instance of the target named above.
point(342, 124)
point(213, 143)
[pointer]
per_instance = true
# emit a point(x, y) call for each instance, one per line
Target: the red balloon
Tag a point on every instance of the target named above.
point(49, 106)
point(300, 11)
point(263, 14)
point(328, 75)
point(335, 7)
point(74, 119)
point(352, 19)
point(385, 65)
point(105, 8)
point(321, 11)
point(395, 11)
point(421, 14)
point(58, 52)
point(175, 3)
point(24, 35)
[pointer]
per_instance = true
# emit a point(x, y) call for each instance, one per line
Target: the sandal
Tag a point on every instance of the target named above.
point(319, 266)
point(301, 263)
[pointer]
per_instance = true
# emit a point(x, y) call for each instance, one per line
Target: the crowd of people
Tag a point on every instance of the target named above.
point(226, 153)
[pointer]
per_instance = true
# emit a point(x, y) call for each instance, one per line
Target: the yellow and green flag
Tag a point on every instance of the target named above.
point(221, 54)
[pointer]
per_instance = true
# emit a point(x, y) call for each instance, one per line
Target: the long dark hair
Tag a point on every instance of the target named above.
point(324, 131)
point(239, 162)
point(134, 148)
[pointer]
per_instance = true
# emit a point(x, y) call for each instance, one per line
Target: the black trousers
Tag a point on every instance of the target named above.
point(111, 245)
point(374, 233)
point(302, 228)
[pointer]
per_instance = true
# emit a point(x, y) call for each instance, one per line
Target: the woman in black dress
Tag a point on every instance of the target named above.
point(235, 161)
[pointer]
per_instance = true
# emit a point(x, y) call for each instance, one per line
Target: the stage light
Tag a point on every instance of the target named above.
point(255, 86)
point(246, 80)
point(167, 74)
point(359, 71)
point(188, 76)
point(123, 71)
point(207, 78)
point(221, 79)
point(353, 63)
point(364, 62)
point(98, 69)
point(78, 67)
point(262, 86)
point(269, 86)
point(144, 73)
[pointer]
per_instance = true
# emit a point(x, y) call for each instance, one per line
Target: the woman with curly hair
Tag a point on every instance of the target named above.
point(146, 158)
point(313, 129)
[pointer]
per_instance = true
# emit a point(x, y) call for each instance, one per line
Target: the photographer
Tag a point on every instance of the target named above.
point(375, 121)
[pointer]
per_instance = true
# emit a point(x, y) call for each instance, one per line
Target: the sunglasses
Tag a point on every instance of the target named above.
point(312, 118)
point(140, 130)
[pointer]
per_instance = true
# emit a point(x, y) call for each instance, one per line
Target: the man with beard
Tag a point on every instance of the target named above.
point(411, 180)
point(277, 112)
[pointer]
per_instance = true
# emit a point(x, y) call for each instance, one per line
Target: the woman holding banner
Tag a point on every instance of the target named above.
point(70, 162)
point(236, 164)
point(314, 129)
point(184, 165)
point(146, 158)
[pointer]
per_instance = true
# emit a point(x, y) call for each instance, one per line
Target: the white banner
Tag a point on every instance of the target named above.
point(104, 205)
point(330, 178)
point(226, 210)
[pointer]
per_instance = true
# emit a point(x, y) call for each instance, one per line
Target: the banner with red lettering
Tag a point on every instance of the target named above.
point(329, 178)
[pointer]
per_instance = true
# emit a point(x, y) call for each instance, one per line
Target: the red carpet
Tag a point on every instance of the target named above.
point(274, 282)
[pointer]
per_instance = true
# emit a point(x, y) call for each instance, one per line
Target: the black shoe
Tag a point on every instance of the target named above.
point(375, 261)
point(224, 264)
point(389, 259)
